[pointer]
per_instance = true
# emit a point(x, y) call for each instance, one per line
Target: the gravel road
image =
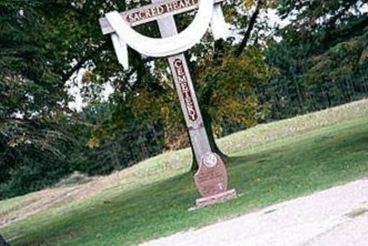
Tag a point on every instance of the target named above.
point(337, 216)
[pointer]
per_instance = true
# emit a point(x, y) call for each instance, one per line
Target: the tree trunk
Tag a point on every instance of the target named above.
point(248, 32)
point(208, 125)
point(211, 138)
point(207, 121)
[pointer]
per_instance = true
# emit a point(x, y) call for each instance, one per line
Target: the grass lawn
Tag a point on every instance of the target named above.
point(281, 167)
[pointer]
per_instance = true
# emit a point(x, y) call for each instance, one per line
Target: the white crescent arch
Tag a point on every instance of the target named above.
point(162, 47)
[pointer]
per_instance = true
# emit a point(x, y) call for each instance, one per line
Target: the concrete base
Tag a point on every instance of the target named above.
point(218, 198)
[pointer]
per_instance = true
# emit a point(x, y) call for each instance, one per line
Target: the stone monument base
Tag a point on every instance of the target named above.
point(218, 198)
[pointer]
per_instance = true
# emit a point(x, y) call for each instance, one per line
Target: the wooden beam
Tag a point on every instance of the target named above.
point(152, 12)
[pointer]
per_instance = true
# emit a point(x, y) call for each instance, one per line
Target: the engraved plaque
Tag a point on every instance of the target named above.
point(211, 178)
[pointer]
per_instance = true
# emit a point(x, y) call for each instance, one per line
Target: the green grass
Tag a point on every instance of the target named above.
point(284, 160)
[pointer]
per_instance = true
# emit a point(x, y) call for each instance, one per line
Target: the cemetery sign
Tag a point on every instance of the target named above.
point(211, 177)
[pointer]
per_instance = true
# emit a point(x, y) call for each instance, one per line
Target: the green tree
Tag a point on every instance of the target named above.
point(321, 58)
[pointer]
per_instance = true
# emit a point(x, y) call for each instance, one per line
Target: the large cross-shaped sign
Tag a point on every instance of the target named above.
point(211, 177)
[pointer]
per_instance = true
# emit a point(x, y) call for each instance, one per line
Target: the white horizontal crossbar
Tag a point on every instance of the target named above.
point(152, 12)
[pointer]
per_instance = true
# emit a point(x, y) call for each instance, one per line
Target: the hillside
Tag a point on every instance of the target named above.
point(269, 163)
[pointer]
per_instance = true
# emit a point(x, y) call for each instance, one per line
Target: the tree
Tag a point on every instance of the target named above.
point(32, 95)
point(246, 17)
point(320, 59)
point(29, 85)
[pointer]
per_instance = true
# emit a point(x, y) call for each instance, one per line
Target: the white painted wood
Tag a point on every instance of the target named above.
point(107, 28)
point(124, 34)
point(163, 47)
point(121, 50)
point(197, 132)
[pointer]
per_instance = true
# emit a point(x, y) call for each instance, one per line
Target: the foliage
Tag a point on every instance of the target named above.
point(34, 154)
point(28, 83)
point(321, 58)
point(226, 90)
point(44, 44)
point(32, 141)
point(109, 147)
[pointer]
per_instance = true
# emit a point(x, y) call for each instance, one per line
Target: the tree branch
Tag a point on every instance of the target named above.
point(252, 22)
point(83, 61)
point(77, 66)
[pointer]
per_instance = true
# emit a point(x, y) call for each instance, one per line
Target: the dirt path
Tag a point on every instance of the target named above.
point(55, 197)
point(338, 216)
